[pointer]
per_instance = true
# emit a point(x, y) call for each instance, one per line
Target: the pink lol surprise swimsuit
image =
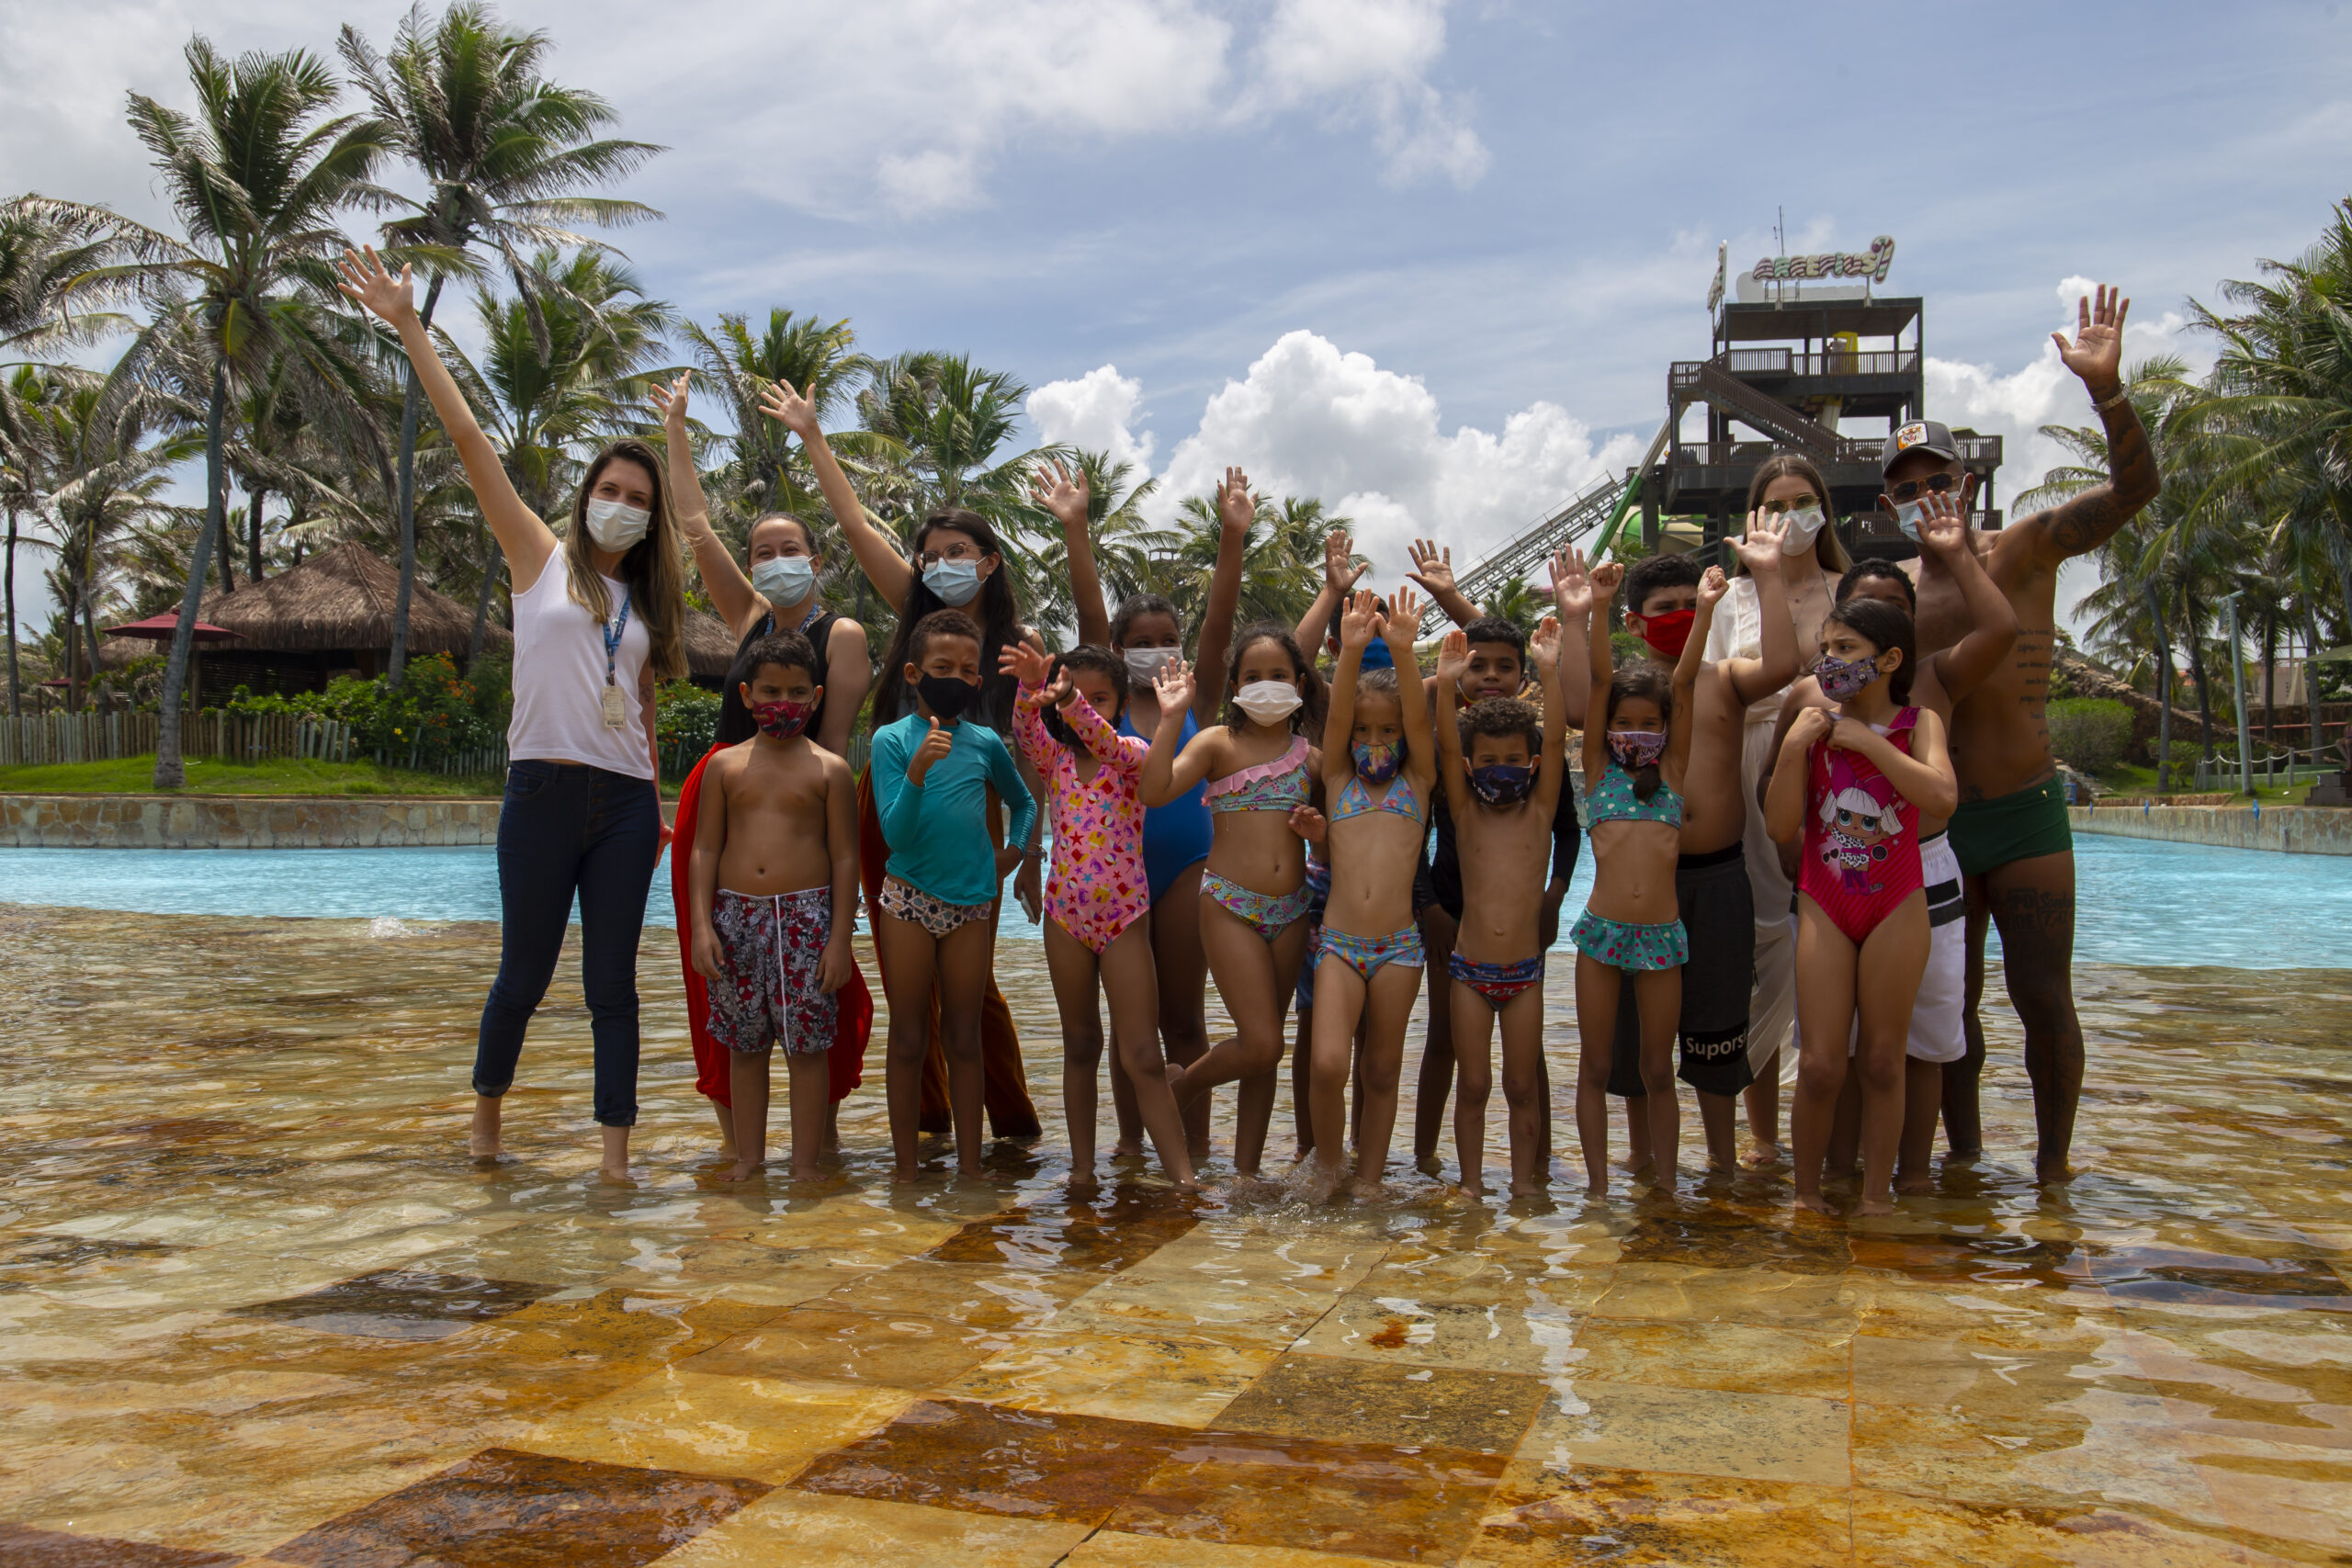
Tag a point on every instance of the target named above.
point(1098, 887)
point(1861, 846)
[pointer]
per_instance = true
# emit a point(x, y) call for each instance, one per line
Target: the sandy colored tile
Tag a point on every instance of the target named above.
point(986, 1458)
point(1940, 1374)
point(1117, 1548)
point(762, 1428)
point(1540, 1515)
point(1175, 1382)
point(1679, 1292)
point(810, 1530)
point(1898, 1531)
point(1523, 1336)
point(1739, 1357)
point(806, 1342)
point(2097, 1447)
point(1760, 1437)
point(976, 1296)
point(1346, 1400)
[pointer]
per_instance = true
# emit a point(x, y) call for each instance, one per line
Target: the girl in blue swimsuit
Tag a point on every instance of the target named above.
point(1149, 631)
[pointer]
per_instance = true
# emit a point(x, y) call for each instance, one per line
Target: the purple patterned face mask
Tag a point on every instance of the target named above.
point(1636, 748)
point(1842, 679)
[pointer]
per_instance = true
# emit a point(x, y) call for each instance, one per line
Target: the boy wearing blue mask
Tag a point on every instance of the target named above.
point(1501, 767)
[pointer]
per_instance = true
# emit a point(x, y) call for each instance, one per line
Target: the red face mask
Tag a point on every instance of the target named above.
point(782, 720)
point(1669, 632)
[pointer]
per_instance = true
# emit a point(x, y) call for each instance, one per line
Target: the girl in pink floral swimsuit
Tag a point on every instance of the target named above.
point(1098, 901)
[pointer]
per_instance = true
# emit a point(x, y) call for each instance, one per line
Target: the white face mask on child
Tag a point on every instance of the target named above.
point(1145, 664)
point(1268, 702)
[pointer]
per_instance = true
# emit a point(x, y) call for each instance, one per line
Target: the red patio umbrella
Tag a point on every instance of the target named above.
point(158, 628)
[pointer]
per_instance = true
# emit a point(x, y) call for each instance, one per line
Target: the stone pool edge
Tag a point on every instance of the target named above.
point(244, 821)
point(2294, 829)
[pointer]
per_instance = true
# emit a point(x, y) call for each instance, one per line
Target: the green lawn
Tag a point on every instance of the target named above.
point(280, 775)
point(2129, 780)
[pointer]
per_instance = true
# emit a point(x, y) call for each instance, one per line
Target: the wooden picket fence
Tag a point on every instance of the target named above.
point(487, 760)
point(109, 736)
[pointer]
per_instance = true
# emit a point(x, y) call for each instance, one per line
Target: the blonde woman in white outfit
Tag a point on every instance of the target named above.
point(582, 816)
point(1790, 492)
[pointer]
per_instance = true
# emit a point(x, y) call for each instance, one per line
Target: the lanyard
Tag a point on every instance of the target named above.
point(612, 636)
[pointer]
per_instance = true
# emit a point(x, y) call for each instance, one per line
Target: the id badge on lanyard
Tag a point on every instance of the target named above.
point(615, 708)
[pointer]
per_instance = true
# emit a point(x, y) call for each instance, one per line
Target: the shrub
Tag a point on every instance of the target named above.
point(686, 722)
point(436, 711)
point(2092, 734)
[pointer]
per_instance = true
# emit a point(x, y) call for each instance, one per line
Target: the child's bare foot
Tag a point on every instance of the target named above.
point(1596, 1189)
point(613, 1173)
point(905, 1173)
point(1123, 1149)
point(742, 1170)
point(970, 1168)
point(811, 1172)
point(1722, 1167)
point(1963, 1156)
point(1472, 1188)
point(2054, 1175)
point(1815, 1203)
point(1366, 1188)
point(1429, 1165)
point(1759, 1155)
point(1921, 1183)
point(1874, 1206)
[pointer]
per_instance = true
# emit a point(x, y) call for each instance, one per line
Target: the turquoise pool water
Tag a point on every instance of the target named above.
point(2142, 901)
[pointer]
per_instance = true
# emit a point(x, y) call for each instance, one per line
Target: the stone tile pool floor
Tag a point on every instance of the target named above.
point(256, 1306)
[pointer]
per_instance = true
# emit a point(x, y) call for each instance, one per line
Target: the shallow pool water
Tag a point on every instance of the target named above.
point(2141, 901)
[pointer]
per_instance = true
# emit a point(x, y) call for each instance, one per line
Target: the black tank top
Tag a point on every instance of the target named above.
point(735, 722)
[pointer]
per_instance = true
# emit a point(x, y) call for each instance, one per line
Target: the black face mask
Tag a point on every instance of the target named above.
point(1502, 785)
point(947, 697)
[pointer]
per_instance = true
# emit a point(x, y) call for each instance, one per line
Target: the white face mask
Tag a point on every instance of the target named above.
point(1801, 527)
point(784, 580)
point(615, 525)
point(1145, 664)
point(1906, 517)
point(1268, 702)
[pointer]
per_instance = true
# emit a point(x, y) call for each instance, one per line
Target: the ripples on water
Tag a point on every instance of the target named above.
point(2141, 900)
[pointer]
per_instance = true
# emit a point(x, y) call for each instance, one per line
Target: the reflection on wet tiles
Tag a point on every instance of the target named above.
point(22, 1547)
point(985, 1458)
point(502, 1506)
point(1760, 1437)
point(1354, 1499)
point(2147, 1367)
point(1346, 1400)
point(402, 1305)
point(1642, 1518)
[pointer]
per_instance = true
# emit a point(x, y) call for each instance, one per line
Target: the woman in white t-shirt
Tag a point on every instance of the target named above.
point(1789, 490)
point(582, 817)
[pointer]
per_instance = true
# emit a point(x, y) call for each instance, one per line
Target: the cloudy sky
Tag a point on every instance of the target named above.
point(1426, 261)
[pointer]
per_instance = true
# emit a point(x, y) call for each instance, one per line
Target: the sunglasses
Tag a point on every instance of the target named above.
point(1800, 503)
point(1934, 484)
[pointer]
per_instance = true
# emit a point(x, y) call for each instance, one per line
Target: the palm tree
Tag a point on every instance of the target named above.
point(257, 178)
point(768, 473)
point(506, 153)
point(541, 406)
point(1519, 602)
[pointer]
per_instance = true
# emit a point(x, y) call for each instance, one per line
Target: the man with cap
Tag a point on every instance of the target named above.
point(2011, 832)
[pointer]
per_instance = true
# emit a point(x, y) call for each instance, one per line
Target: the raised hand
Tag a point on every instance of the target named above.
point(1024, 663)
point(1062, 491)
point(1606, 578)
point(1341, 571)
point(1236, 509)
point(366, 283)
point(1713, 586)
point(1432, 567)
point(1452, 658)
point(1943, 528)
point(1571, 583)
point(1308, 823)
point(2096, 353)
point(790, 410)
point(670, 401)
point(1759, 548)
point(1404, 624)
point(1360, 622)
point(1174, 687)
point(1544, 645)
point(934, 747)
point(1061, 693)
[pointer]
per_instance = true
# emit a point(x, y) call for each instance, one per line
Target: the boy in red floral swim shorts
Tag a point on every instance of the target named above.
point(773, 886)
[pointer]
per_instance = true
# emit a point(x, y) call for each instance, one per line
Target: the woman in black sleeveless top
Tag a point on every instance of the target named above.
point(778, 593)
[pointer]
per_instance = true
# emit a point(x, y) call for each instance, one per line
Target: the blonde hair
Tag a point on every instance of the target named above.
point(1827, 548)
point(652, 568)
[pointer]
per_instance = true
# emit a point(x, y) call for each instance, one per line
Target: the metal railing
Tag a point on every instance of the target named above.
point(2285, 766)
point(1974, 450)
point(1788, 362)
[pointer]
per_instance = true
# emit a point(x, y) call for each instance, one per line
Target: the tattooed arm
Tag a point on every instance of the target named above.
point(2077, 526)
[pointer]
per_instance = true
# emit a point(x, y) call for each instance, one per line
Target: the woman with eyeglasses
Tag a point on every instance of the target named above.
point(778, 592)
point(1789, 493)
point(953, 562)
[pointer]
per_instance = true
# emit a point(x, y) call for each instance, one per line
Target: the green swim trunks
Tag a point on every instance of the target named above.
point(1988, 834)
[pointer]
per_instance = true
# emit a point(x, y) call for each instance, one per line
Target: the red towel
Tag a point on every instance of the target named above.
point(846, 1060)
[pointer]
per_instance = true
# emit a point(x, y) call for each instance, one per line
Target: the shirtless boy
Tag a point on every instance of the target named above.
point(1711, 878)
point(774, 890)
point(2011, 831)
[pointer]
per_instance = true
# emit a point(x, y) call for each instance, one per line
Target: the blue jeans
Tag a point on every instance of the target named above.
point(562, 830)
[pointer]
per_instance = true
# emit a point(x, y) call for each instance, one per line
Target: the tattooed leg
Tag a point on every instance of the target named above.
point(2032, 902)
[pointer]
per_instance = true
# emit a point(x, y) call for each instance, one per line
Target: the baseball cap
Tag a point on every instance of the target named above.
point(1920, 434)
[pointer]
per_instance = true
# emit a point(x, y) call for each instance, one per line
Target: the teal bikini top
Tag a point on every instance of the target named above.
point(1613, 800)
point(1270, 787)
point(1355, 800)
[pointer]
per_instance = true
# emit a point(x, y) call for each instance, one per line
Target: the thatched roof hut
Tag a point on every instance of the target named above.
point(710, 647)
point(332, 615)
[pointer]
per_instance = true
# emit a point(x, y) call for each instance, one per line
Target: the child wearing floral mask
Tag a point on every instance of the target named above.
point(1636, 748)
point(1501, 764)
point(773, 885)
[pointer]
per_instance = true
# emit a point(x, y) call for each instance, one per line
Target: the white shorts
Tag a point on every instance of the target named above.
point(1937, 1034)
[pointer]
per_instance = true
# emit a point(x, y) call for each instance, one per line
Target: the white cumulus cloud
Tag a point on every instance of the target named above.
point(1308, 419)
point(1367, 60)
